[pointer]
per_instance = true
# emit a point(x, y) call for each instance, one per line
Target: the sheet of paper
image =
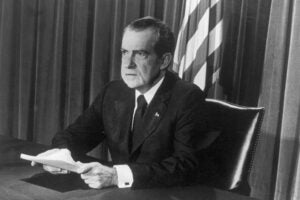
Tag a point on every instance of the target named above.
point(70, 166)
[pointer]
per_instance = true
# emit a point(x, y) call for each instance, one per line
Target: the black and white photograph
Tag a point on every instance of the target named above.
point(149, 99)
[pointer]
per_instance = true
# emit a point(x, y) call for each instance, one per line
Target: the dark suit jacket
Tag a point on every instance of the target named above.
point(169, 151)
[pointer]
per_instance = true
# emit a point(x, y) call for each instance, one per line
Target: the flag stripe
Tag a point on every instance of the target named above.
point(189, 6)
point(200, 77)
point(215, 38)
point(216, 15)
point(190, 27)
point(195, 42)
point(191, 9)
point(213, 2)
point(197, 63)
point(216, 75)
point(194, 18)
point(197, 56)
point(213, 58)
point(213, 62)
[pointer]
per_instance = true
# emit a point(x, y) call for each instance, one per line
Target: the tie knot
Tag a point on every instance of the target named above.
point(141, 102)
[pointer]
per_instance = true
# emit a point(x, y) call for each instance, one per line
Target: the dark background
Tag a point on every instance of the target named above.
point(56, 55)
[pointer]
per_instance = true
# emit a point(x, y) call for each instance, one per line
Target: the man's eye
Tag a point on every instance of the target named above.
point(142, 54)
point(124, 52)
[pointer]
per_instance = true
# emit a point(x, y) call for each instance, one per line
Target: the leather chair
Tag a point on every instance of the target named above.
point(232, 150)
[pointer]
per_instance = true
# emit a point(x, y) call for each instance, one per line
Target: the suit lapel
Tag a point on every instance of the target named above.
point(156, 109)
point(124, 110)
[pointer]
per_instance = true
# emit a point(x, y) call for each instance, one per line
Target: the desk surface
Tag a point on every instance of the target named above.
point(18, 180)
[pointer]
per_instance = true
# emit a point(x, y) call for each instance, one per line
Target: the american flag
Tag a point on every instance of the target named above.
point(197, 55)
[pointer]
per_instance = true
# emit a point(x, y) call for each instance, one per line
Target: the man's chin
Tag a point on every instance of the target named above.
point(135, 86)
point(131, 85)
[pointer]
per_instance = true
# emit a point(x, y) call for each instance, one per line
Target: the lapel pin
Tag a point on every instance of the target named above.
point(156, 114)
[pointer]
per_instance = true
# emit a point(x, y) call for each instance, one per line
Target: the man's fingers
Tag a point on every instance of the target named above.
point(91, 180)
point(64, 171)
point(91, 177)
point(86, 168)
point(95, 185)
point(52, 170)
point(55, 170)
point(96, 175)
point(35, 164)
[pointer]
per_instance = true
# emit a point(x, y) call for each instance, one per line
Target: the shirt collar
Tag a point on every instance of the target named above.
point(150, 93)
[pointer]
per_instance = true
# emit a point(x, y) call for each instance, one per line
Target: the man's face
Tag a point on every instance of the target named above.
point(140, 64)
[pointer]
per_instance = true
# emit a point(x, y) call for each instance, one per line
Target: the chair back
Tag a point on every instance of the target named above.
point(233, 150)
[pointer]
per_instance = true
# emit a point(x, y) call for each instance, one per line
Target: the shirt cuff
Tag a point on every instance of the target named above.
point(125, 177)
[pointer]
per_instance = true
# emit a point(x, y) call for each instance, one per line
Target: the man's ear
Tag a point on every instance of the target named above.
point(166, 59)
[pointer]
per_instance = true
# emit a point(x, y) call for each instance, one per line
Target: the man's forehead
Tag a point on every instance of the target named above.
point(139, 38)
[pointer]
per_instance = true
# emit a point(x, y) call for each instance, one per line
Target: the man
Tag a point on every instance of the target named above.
point(152, 121)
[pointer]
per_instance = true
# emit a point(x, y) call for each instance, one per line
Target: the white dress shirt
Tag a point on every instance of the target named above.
point(125, 177)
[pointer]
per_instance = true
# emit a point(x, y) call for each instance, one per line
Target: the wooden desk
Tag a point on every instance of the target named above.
point(20, 181)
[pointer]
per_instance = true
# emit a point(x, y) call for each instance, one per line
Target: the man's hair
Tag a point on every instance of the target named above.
point(165, 37)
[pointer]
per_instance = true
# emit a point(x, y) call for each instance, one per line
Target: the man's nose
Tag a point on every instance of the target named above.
point(129, 61)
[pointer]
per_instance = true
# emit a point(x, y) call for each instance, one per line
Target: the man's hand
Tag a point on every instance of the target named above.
point(98, 176)
point(52, 153)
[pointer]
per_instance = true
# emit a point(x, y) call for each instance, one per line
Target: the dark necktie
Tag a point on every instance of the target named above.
point(138, 120)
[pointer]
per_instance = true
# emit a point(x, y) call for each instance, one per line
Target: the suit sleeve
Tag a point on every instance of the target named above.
point(85, 133)
point(188, 158)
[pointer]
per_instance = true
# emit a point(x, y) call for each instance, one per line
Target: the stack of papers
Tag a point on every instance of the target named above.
point(59, 160)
